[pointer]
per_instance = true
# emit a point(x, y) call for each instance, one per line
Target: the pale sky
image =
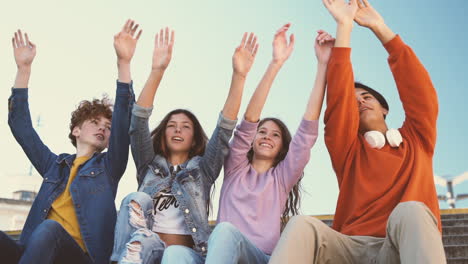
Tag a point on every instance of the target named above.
point(76, 60)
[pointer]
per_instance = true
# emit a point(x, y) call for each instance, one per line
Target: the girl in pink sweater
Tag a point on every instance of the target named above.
point(265, 165)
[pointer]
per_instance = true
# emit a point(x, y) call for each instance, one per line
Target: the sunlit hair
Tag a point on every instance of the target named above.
point(199, 140)
point(159, 135)
point(88, 110)
point(294, 197)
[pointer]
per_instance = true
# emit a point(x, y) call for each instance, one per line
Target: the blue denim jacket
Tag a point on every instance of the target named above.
point(95, 186)
point(191, 185)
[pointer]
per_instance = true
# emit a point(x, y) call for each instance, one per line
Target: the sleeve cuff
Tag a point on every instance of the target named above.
point(340, 55)
point(141, 111)
point(247, 126)
point(226, 123)
point(19, 92)
point(309, 126)
point(395, 44)
point(125, 88)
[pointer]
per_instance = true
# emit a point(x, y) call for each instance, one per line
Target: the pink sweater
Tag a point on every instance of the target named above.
point(254, 202)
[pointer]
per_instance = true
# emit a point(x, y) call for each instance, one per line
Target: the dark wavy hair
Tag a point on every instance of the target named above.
point(294, 198)
point(199, 139)
point(87, 110)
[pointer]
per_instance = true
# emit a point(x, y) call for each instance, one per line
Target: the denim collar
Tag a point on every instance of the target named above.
point(69, 158)
point(165, 166)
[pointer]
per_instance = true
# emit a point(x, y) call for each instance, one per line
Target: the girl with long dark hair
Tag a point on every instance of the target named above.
point(264, 167)
point(176, 167)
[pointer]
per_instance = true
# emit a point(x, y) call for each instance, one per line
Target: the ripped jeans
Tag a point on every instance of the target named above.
point(134, 241)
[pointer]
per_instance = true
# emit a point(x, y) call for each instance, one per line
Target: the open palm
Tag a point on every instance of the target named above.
point(244, 55)
point(23, 49)
point(367, 16)
point(163, 44)
point(324, 43)
point(342, 10)
point(281, 48)
point(125, 41)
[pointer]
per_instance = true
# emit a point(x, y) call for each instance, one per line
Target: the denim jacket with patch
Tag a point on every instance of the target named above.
point(95, 186)
point(191, 185)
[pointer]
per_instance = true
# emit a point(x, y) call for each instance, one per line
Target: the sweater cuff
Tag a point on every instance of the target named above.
point(340, 55)
point(247, 126)
point(20, 92)
point(309, 126)
point(394, 45)
point(140, 111)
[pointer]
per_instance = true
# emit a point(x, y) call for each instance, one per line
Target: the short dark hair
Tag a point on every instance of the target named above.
point(87, 110)
point(374, 93)
point(159, 135)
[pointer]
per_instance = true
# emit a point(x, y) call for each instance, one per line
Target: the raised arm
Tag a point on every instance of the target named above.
point(291, 168)
point(19, 117)
point(281, 52)
point(242, 61)
point(218, 145)
point(323, 46)
point(125, 44)
point(141, 143)
point(368, 17)
point(162, 54)
point(415, 87)
point(117, 156)
point(341, 116)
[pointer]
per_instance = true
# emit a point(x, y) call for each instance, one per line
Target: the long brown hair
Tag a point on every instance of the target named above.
point(159, 135)
point(199, 141)
point(294, 198)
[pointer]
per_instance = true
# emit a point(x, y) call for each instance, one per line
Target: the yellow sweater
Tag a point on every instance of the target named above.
point(63, 210)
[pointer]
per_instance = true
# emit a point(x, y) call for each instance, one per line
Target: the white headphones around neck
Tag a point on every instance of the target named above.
point(376, 139)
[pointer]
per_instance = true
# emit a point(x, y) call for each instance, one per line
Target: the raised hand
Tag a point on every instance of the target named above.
point(125, 41)
point(343, 11)
point(323, 46)
point(281, 48)
point(23, 49)
point(244, 55)
point(367, 16)
point(163, 44)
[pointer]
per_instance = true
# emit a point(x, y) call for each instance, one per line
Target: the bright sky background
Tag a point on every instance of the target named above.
point(76, 60)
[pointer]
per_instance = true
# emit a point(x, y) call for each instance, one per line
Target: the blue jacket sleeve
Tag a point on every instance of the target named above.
point(19, 120)
point(119, 141)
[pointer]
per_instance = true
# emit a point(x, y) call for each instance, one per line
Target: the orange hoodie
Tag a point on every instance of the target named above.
point(372, 181)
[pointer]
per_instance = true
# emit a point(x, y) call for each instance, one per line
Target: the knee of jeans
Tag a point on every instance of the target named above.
point(133, 253)
point(225, 231)
point(177, 254)
point(47, 231)
point(137, 203)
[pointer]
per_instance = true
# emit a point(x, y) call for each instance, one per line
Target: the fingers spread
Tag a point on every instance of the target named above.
point(291, 40)
point(249, 40)
point(139, 34)
point(166, 37)
point(255, 50)
point(244, 38)
point(21, 38)
point(172, 38)
point(161, 37)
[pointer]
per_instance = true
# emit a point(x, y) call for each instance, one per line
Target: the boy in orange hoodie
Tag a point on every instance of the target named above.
point(387, 210)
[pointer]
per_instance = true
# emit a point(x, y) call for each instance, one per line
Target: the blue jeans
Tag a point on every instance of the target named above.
point(180, 254)
point(228, 245)
point(134, 242)
point(49, 243)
